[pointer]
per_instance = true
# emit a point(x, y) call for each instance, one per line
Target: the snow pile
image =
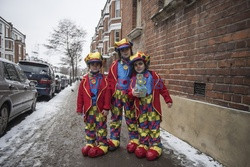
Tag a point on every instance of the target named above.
point(186, 152)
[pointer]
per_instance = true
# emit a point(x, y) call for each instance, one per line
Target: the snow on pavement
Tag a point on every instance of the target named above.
point(16, 138)
point(186, 151)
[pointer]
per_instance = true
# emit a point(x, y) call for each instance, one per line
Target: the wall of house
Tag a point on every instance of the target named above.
point(127, 17)
point(207, 42)
point(220, 132)
point(202, 42)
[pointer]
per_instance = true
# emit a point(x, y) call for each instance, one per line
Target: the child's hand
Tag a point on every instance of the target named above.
point(169, 105)
point(134, 93)
point(105, 112)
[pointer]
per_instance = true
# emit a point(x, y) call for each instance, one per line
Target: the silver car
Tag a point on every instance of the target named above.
point(17, 93)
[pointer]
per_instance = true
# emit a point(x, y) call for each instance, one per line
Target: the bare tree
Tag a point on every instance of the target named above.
point(67, 39)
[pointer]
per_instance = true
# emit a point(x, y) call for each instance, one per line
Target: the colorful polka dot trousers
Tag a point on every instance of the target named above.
point(149, 123)
point(96, 127)
point(121, 102)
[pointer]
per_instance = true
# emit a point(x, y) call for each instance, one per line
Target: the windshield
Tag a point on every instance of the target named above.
point(35, 69)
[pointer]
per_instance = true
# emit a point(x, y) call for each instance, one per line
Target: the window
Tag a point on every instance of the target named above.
point(19, 49)
point(1, 28)
point(105, 47)
point(136, 22)
point(9, 57)
point(117, 8)
point(21, 74)
point(7, 44)
point(10, 72)
point(117, 35)
point(7, 32)
point(51, 72)
point(138, 14)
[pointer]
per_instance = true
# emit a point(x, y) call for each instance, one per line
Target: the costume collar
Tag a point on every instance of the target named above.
point(91, 74)
point(145, 73)
point(124, 61)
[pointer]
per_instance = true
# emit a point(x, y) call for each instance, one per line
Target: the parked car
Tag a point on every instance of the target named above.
point(17, 93)
point(58, 82)
point(64, 81)
point(43, 74)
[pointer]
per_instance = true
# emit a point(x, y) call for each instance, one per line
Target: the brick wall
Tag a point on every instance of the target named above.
point(127, 17)
point(207, 42)
point(112, 10)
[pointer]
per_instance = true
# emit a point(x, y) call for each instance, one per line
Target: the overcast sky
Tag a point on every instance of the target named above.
point(37, 19)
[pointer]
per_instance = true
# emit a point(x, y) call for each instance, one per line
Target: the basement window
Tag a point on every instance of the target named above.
point(199, 89)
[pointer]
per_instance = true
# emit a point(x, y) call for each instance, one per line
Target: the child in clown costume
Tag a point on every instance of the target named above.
point(118, 79)
point(92, 103)
point(145, 88)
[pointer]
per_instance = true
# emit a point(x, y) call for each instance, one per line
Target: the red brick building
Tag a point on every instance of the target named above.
point(12, 42)
point(107, 32)
point(201, 49)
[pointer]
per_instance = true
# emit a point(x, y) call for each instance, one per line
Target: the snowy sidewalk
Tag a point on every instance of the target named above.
point(37, 141)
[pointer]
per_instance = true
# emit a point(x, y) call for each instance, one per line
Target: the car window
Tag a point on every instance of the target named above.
point(10, 72)
point(52, 73)
point(21, 74)
point(34, 69)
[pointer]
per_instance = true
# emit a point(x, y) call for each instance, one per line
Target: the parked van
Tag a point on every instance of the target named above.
point(43, 74)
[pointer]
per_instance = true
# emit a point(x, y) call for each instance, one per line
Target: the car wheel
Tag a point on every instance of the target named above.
point(4, 116)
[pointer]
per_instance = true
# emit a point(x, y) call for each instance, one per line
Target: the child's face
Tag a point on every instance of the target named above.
point(125, 53)
point(139, 66)
point(94, 67)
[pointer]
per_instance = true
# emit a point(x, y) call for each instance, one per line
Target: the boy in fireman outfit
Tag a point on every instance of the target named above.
point(118, 79)
point(145, 88)
point(92, 103)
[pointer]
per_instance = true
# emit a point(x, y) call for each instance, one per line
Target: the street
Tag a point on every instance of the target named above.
point(55, 137)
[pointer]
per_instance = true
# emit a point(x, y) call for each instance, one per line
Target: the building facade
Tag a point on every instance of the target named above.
point(201, 49)
point(107, 32)
point(12, 42)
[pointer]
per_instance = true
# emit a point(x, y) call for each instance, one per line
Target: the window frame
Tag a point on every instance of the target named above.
point(116, 38)
point(117, 8)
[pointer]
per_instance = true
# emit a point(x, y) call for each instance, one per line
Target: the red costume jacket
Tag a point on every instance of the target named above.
point(112, 80)
point(158, 88)
point(84, 101)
